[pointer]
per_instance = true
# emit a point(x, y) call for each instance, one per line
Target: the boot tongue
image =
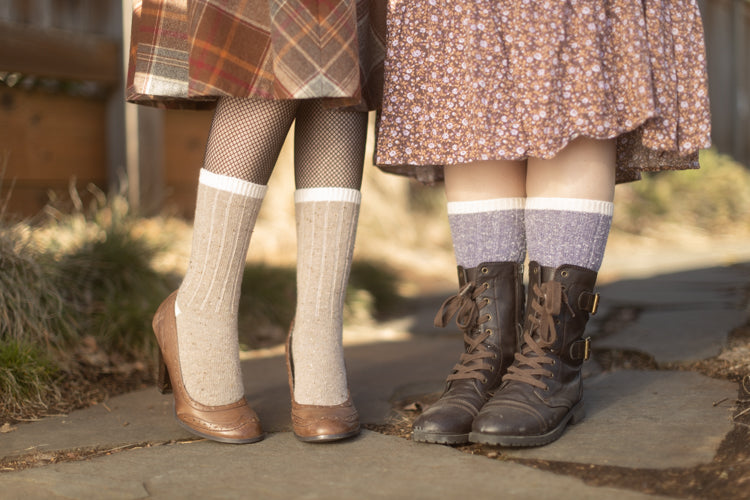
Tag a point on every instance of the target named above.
point(552, 299)
point(552, 295)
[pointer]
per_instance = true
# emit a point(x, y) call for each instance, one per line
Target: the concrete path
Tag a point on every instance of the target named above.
point(635, 418)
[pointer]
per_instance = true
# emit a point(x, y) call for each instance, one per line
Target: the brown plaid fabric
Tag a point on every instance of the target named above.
point(186, 53)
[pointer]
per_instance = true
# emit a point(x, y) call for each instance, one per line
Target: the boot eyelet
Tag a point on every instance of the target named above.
point(486, 302)
point(484, 380)
point(546, 388)
point(557, 321)
point(564, 274)
point(485, 270)
point(492, 369)
point(486, 285)
point(488, 331)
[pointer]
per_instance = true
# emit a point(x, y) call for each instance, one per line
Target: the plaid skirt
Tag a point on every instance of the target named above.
point(187, 53)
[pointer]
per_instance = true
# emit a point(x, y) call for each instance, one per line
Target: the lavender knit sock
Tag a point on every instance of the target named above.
point(568, 231)
point(487, 231)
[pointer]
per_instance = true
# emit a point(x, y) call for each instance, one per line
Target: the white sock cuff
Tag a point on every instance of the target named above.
point(493, 205)
point(328, 194)
point(571, 205)
point(232, 184)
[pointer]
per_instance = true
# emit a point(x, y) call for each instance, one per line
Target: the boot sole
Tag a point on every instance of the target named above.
point(429, 437)
point(575, 415)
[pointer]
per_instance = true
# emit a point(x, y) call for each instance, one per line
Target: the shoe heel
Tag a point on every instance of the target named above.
point(163, 383)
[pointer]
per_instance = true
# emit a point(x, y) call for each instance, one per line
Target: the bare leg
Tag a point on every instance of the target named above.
point(568, 215)
point(485, 180)
point(585, 169)
point(569, 205)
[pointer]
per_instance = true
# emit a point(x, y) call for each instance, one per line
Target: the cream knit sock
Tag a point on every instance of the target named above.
point(208, 299)
point(326, 230)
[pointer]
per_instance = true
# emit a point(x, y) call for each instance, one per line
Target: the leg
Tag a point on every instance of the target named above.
point(569, 208)
point(485, 211)
point(329, 157)
point(244, 141)
point(585, 169)
point(568, 215)
point(485, 180)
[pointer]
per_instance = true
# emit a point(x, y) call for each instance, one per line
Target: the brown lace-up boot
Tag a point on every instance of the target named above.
point(488, 310)
point(543, 391)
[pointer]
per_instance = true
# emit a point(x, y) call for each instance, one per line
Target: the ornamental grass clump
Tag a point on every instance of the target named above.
point(77, 293)
point(27, 376)
point(112, 289)
point(34, 325)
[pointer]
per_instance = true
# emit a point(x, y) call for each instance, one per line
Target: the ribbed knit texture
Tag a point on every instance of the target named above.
point(326, 230)
point(487, 231)
point(208, 299)
point(568, 231)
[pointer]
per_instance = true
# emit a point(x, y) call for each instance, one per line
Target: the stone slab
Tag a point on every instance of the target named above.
point(375, 370)
point(137, 417)
point(646, 419)
point(717, 286)
point(677, 335)
point(372, 466)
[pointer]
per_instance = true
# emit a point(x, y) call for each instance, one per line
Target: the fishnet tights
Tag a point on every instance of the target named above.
point(247, 135)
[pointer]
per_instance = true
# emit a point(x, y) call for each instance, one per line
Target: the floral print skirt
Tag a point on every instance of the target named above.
point(471, 80)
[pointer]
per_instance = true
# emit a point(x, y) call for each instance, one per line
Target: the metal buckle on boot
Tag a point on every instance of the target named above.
point(589, 302)
point(587, 340)
point(578, 346)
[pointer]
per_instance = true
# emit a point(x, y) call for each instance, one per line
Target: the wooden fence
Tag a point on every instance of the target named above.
point(727, 27)
point(52, 131)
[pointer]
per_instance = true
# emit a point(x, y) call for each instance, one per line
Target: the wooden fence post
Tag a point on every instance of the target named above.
point(137, 139)
point(741, 49)
point(728, 48)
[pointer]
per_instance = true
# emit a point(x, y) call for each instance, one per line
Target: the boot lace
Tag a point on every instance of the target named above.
point(464, 307)
point(530, 362)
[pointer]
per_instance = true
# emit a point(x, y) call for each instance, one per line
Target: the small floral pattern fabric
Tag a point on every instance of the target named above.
point(470, 80)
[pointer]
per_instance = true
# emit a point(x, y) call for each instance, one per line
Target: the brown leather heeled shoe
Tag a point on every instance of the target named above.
point(234, 423)
point(317, 423)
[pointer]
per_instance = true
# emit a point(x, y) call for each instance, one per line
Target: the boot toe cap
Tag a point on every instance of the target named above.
point(443, 425)
point(509, 421)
